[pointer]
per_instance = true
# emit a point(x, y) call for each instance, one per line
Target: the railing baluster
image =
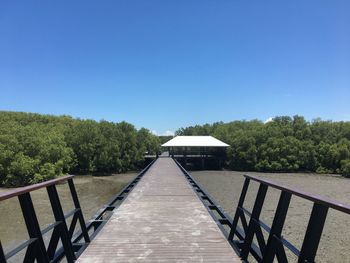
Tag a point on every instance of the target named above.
point(72, 225)
point(277, 227)
point(281, 254)
point(313, 233)
point(238, 210)
point(2, 254)
point(79, 213)
point(29, 256)
point(59, 217)
point(259, 201)
point(260, 236)
point(38, 248)
point(55, 237)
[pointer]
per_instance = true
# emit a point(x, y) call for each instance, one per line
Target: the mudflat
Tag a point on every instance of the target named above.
point(225, 187)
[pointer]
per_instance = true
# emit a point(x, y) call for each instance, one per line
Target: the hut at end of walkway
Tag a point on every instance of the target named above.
point(197, 152)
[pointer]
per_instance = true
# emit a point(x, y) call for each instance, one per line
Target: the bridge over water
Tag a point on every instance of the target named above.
point(163, 215)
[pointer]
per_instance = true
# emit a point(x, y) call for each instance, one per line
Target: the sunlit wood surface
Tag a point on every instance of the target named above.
point(162, 220)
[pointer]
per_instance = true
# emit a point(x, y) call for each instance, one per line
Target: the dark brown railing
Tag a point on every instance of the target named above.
point(242, 238)
point(73, 243)
point(36, 249)
point(266, 251)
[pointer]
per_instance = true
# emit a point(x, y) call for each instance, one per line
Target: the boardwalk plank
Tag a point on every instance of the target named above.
point(161, 220)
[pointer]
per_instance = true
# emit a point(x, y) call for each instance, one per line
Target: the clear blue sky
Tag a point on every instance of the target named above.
point(167, 64)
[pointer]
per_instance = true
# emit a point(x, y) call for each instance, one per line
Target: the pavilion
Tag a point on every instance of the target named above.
point(197, 151)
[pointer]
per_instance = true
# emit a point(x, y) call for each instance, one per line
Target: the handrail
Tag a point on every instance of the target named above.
point(26, 189)
point(241, 236)
point(35, 246)
point(72, 243)
point(314, 198)
point(274, 247)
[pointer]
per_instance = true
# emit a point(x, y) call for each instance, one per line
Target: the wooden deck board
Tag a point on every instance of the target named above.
point(161, 220)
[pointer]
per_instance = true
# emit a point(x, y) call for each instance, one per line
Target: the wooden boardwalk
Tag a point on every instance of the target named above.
point(161, 220)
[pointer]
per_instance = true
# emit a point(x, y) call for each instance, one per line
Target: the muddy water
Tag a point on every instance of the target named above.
point(93, 193)
point(225, 188)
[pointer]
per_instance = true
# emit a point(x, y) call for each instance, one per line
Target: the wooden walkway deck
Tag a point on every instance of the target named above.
point(161, 220)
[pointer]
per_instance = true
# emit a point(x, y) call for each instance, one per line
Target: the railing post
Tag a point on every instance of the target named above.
point(313, 233)
point(254, 219)
point(37, 249)
point(239, 207)
point(79, 213)
point(2, 254)
point(277, 227)
point(59, 217)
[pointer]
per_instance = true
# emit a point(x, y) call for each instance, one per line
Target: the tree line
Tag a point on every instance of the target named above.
point(285, 144)
point(35, 147)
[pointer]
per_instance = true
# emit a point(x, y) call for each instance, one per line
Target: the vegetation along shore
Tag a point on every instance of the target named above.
point(35, 147)
point(284, 144)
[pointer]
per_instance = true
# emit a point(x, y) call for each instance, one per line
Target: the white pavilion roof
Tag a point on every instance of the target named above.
point(195, 141)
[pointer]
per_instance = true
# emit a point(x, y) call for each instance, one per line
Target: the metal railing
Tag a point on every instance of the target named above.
point(242, 238)
point(73, 243)
point(35, 246)
point(274, 246)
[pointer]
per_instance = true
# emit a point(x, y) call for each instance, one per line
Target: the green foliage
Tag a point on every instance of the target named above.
point(147, 142)
point(163, 139)
point(21, 170)
point(34, 147)
point(345, 167)
point(285, 144)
